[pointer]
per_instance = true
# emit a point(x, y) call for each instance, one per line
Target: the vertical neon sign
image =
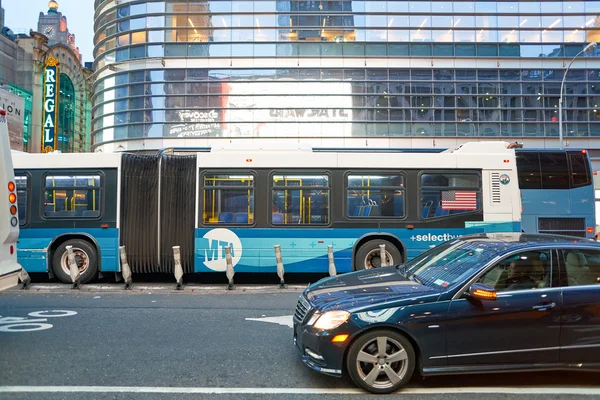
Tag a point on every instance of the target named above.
point(50, 119)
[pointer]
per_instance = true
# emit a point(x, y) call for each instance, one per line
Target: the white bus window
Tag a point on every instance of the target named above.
point(375, 196)
point(228, 199)
point(72, 196)
point(449, 194)
point(300, 200)
point(22, 198)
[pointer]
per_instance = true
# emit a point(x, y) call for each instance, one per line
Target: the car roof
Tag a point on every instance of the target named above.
point(513, 240)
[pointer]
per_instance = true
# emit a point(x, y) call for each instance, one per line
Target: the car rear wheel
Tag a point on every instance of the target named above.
point(381, 361)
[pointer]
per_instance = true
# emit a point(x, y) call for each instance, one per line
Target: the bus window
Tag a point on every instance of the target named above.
point(528, 166)
point(72, 196)
point(375, 196)
point(22, 198)
point(300, 200)
point(555, 170)
point(580, 169)
point(449, 194)
point(228, 199)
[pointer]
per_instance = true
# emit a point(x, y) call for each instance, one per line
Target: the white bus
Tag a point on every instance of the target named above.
point(9, 217)
point(300, 198)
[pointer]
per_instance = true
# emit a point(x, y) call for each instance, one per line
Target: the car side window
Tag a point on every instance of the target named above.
point(581, 267)
point(526, 270)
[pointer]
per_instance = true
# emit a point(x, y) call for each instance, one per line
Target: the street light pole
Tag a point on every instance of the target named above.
point(589, 47)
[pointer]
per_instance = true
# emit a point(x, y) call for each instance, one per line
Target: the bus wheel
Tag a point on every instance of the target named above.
point(85, 257)
point(369, 256)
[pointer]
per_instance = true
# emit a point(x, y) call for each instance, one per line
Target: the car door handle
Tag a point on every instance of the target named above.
point(544, 306)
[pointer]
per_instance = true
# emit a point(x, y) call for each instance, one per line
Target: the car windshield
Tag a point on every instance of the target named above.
point(449, 264)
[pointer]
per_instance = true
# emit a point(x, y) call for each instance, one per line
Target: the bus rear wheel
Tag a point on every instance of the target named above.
point(86, 258)
point(369, 255)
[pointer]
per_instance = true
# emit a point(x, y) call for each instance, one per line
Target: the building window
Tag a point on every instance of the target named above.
point(300, 199)
point(22, 197)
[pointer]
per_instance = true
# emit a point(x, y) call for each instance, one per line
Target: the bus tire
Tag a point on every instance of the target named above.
point(86, 257)
point(368, 255)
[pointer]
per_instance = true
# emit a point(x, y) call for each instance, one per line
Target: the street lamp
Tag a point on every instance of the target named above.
point(589, 47)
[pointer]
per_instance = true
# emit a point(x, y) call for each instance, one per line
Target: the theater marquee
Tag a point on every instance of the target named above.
point(51, 85)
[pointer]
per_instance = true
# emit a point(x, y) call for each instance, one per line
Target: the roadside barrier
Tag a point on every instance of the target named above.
point(25, 279)
point(382, 255)
point(332, 271)
point(280, 268)
point(178, 270)
point(73, 269)
point(229, 272)
point(125, 270)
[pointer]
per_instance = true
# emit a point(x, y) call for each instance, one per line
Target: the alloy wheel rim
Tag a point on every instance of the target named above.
point(382, 362)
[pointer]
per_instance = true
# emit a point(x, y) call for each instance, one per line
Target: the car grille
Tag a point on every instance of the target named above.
point(302, 309)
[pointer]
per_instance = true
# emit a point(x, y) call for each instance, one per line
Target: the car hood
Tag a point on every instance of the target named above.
point(366, 289)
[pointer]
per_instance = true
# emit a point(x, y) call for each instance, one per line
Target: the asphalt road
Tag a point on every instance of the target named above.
point(197, 344)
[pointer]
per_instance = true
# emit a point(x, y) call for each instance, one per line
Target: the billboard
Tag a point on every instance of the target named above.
point(196, 123)
point(287, 109)
point(14, 106)
point(50, 100)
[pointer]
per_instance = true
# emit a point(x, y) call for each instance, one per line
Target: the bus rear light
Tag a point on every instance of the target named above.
point(410, 227)
point(12, 198)
point(248, 160)
point(506, 161)
point(13, 210)
point(11, 186)
point(12, 250)
point(590, 230)
point(583, 151)
point(14, 222)
point(2, 112)
point(104, 226)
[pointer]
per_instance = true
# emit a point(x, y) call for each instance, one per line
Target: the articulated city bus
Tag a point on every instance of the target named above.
point(9, 223)
point(557, 192)
point(299, 198)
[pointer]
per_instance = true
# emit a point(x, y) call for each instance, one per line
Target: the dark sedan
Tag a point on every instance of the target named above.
point(483, 303)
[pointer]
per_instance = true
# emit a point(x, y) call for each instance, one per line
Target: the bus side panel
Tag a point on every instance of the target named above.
point(305, 250)
point(34, 242)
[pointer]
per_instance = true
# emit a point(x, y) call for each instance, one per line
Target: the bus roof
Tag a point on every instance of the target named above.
point(66, 160)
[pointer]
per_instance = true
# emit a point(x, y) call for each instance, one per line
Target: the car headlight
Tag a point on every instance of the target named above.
point(331, 320)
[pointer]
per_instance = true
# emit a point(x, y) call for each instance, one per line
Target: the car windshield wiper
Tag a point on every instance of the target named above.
point(403, 268)
point(415, 278)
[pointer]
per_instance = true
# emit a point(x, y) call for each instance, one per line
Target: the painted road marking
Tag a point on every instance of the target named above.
point(286, 320)
point(23, 324)
point(590, 391)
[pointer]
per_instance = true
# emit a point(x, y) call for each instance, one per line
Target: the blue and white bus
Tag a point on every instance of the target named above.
point(9, 223)
point(557, 192)
point(300, 198)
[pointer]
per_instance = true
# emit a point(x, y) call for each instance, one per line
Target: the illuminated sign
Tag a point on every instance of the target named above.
point(279, 109)
point(49, 125)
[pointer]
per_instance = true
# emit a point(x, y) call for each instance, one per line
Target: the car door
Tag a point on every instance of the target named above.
point(521, 326)
point(580, 319)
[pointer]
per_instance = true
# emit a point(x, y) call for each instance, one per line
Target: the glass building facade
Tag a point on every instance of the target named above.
point(327, 72)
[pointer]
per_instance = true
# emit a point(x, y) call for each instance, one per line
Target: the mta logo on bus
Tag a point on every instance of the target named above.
point(214, 248)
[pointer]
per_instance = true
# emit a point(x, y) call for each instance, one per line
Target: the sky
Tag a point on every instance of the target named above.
point(22, 15)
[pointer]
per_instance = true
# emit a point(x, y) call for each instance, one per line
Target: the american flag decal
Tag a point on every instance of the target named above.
point(458, 200)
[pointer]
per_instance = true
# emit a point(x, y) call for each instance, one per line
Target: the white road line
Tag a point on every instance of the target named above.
point(216, 390)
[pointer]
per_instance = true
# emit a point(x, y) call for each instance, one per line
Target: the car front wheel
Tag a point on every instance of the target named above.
point(381, 361)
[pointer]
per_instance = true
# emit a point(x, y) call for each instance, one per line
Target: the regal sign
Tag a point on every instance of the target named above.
point(51, 85)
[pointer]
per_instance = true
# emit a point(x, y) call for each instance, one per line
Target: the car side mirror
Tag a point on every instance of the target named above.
point(482, 291)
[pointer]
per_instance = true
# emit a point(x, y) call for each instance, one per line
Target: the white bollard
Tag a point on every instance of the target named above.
point(125, 270)
point(73, 269)
point(382, 255)
point(280, 268)
point(229, 271)
point(25, 279)
point(178, 270)
point(332, 271)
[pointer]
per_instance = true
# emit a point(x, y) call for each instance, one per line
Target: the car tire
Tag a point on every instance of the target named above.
point(368, 255)
point(86, 257)
point(395, 363)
